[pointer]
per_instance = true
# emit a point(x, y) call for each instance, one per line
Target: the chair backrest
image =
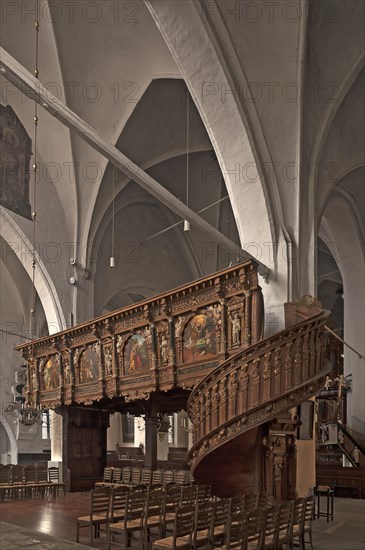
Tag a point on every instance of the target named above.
point(262, 499)
point(308, 513)
point(42, 475)
point(236, 504)
point(126, 475)
point(184, 522)
point(220, 513)
point(298, 513)
point(17, 473)
point(53, 474)
point(100, 502)
point(30, 475)
point(117, 475)
point(136, 476)
point(172, 496)
point(155, 502)
point(270, 531)
point(108, 474)
point(203, 492)
point(254, 529)
point(146, 476)
point(157, 476)
point(285, 520)
point(5, 475)
point(235, 529)
point(179, 477)
point(187, 495)
point(167, 476)
point(251, 500)
point(118, 501)
point(136, 502)
point(203, 518)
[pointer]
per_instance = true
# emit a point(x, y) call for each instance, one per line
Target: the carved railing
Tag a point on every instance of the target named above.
point(169, 341)
point(256, 385)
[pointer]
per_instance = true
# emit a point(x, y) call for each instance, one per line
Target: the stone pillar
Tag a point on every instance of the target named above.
point(151, 423)
point(114, 433)
point(56, 436)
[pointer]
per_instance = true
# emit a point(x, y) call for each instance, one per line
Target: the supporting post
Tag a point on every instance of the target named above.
point(151, 424)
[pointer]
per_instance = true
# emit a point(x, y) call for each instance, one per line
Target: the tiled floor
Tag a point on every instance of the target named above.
point(21, 529)
point(346, 531)
point(13, 537)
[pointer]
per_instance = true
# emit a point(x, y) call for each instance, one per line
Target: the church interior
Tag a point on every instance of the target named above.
point(182, 237)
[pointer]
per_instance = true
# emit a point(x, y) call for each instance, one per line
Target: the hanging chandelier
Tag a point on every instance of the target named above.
point(29, 416)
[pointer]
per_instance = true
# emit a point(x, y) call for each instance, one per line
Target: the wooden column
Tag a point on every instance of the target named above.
point(151, 423)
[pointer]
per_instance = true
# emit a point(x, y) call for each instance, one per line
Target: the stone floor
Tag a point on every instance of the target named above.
point(13, 537)
point(345, 532)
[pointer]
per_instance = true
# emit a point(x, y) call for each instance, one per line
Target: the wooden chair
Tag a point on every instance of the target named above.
point(156, 476)
point(285, 522)
point(30, 481)
point(99, 513)
point(182, 533)
point(252, 538)
point(118, 503)
point(203, 492)
point(262, 499)
point(187, 494)
point(117, 476)
point(167, 476)
point(219, 519)
point(235, 531)
point(107, 478)
point(298, 523)
point(270, 529)
point(236, 504)
point(54, 479)
point(132, 520)
point(180, 477)
point(146, 476)
point(135, 477)
point(202, 523)
point(251, 501)
point(5, 481)
point(126, 475)
point(153, 516)
point(307, 522)
point(172, 502)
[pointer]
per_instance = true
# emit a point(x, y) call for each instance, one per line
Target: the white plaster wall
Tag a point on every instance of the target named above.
point(343, 231)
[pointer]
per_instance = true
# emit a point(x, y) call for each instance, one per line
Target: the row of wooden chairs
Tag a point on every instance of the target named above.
point(31, 481)
point(124, 510)
point(261, 528)
point(135, 476)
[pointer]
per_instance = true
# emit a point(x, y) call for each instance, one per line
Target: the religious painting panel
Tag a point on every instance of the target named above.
point(50, 373)
point(200, 336)
point(89, 365)
point(15, 154)
point(136, 354)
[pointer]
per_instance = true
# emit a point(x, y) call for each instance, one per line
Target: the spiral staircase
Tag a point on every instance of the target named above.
point(243, 411)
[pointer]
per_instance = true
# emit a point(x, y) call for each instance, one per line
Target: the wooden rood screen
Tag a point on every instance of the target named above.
point(171, 340)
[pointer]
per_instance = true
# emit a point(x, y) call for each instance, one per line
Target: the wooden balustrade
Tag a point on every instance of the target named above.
point(257, 384)
point(169, 341)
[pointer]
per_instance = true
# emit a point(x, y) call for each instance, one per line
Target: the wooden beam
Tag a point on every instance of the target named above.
point(30, 86)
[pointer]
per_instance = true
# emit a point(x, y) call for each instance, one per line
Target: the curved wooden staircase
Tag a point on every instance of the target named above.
point(243, 433)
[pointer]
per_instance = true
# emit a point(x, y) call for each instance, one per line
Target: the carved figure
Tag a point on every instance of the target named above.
point(67, 372)
point(328, 383)
point(179, 325)
point(340, 437)
point(108, 361)
point(164, 349)
point(356, 455)
point(236, 329)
